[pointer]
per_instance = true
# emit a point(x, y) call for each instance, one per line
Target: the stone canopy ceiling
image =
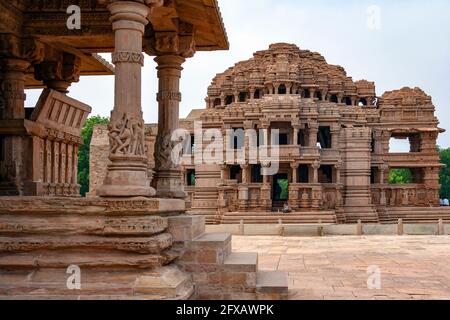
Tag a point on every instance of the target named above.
point(46, 21)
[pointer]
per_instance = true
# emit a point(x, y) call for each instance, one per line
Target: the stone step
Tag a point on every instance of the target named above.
point(209, 248)
point(241, 262)
point(272, 285)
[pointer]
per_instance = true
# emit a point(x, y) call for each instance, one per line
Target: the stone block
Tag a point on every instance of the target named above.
point(300, 230)
point(447, 228)
point(379, 229)
point(340, 229)
point(168, 282)
point(272, 282)
point(420, 229)
point(186, 227)
point(241, 262)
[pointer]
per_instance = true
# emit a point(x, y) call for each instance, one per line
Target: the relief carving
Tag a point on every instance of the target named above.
point(127, 136)
point(126, 56)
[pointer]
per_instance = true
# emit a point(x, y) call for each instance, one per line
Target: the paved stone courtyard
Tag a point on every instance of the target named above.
point(412, 267)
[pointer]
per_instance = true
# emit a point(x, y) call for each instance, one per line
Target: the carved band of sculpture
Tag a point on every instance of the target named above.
point(127, 136)
point(168, 95)
point(163, 158)
point(126, 56)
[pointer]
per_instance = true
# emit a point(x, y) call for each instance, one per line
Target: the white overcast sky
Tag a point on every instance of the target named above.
point(411, 47)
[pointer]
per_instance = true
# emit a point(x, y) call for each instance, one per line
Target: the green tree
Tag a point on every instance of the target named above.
point(400, 176)
point(83, 152)
point(444, 175)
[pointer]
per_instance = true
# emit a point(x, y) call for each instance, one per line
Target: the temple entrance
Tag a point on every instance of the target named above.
point(280, 190)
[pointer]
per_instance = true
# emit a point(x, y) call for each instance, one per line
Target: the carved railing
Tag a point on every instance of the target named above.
point(228, 196)
point(405, 195)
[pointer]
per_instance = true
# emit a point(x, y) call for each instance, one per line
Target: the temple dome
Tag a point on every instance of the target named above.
point(285, 65)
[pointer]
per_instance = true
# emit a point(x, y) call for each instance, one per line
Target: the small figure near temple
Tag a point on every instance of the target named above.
point(286, 208)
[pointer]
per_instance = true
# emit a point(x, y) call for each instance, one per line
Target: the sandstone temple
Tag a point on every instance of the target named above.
point(334, 138)
point(140, 233)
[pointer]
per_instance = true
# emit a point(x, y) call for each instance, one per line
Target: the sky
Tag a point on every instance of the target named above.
point(395, 43)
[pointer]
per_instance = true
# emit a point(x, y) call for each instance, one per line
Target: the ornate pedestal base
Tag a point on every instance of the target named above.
point(169, 185)
point(122, 248)
point(126, 178)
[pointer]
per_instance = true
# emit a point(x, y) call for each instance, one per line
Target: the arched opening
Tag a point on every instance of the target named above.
point(242, 96)
point(282, 89)
point(362, 102)
point(306, 94)
point(229, 100)
point(217, 102)
point(348, 101)
point(257, 94)
point(318, 95)
point(334, 98)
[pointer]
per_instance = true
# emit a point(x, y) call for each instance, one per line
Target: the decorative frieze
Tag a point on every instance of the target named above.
point(130, 57)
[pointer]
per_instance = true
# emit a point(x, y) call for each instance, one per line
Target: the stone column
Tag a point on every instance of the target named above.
point(335, 139)
point(127, 175)
point(168, 173)
point(312, 136)
point(294, 167)
point(315, 167)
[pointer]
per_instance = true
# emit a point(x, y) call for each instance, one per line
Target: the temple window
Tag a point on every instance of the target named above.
point(238, 139)
point(324, 137)
point(303, 173)
point(242, 96)
point(283, 139)
point(405, 143)
point(257, 94)
point(229, 100)
point(362, 102)
point(282, 89)
point(256, 174)
point(217, 102)
point(190, 177)
point(401, 176)
point(236, 173)
point(334, 98)
point(348, 101)
point(301, 140)
point(306, 94)
point(374, 175)
point(318, 95)
point(326, 174)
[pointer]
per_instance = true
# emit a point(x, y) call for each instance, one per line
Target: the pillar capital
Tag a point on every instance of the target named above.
point(59, 74)
point(171, 43)
point(130, 15)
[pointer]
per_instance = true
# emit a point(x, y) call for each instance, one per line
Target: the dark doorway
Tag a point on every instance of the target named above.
point(303, 173)
point(326, 174)
point(324, 137)
point(280, 189)
point(282, 89)
point(236, 173)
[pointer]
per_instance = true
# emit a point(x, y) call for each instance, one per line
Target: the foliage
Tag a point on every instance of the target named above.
point(400, 176)
point(444, 175)
point(83, 152)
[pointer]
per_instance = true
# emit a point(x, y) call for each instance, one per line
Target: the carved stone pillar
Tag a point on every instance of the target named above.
point(168, 173)
point(312, 136)
point(315, 168)
point(16, 56)
point(127, 175)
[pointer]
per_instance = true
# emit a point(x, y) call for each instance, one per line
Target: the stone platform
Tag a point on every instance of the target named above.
point(136, 248)
point(335, 268)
